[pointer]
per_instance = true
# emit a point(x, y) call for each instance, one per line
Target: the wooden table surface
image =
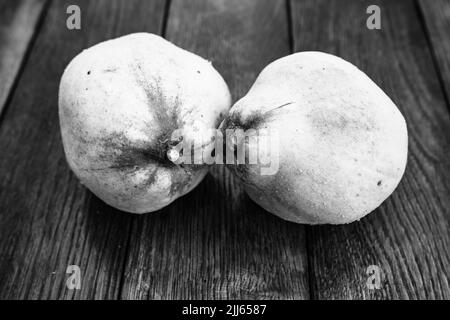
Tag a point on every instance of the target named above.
point(215, 242)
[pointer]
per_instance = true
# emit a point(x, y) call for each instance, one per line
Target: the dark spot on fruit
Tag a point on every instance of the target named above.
point(151, 178)
point(328, 122)
point(198, 71)
point(110, 70)
point(379, 183)
point(182, 178)
point(89, 72)
point(166, 115)
point(126, 155)
point(251, 122)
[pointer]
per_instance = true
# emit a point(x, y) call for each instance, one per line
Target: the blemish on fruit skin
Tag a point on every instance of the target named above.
point(379, 183)
point(110, 70)
point(151, 178)
point(125, 155)
point(89, 72)
point(128, 156)
point(156, 98)
point(251, 122)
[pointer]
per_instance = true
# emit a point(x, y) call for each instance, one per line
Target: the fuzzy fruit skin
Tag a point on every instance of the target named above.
point(342, 141)
point(119, 102)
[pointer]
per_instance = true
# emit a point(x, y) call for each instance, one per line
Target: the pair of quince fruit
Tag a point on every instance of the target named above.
point(338, 141)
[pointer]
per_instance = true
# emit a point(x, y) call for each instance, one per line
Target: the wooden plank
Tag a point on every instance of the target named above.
point(18, 20)
point(408, 236)
point(48, 220)
point(215, 243)
point(436, 15)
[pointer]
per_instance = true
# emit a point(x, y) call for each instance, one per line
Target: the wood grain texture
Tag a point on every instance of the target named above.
point(436, 16)
point(48, 220)
point(215, 243)
point(18, 21)
point(408, 236)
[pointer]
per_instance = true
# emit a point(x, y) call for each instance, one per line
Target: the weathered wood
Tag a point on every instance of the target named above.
point(214, 242)
point(18, 21)
point(48, 220)
point(408, 236)
point(436, 15)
